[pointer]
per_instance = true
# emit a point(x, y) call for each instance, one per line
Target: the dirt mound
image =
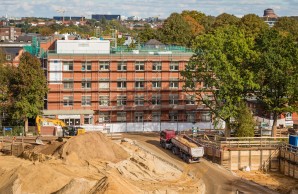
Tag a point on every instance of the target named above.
point(92, 146)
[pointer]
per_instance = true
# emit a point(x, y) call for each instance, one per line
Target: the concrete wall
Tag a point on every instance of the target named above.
point(83, 46)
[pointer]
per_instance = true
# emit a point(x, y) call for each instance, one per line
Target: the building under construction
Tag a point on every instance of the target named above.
point(93, 84)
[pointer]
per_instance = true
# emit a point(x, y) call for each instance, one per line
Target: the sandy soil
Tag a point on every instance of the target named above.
point(92, 163)
point(272, 180)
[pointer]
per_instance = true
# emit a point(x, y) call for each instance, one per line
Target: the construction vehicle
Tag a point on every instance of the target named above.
point(57, 127)
point(181, 146)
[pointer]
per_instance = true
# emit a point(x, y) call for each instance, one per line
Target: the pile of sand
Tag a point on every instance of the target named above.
point(92, 146)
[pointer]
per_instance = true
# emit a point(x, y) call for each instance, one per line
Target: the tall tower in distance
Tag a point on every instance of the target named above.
point(269, 13)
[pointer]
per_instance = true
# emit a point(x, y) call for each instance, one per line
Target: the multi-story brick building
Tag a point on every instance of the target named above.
point(129, 90)
point(9, 33)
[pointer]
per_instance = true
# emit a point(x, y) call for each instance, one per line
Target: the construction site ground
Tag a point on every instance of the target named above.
point(93, 163)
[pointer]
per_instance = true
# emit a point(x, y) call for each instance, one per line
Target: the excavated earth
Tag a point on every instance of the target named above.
point(92, 163)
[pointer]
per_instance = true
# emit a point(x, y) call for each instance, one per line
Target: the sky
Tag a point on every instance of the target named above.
point(143, 8)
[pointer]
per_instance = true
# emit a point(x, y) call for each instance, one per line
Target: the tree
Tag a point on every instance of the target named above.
point(288, 26)
point(252, 25)
point(146, 34)
point(219, 72)
point(277, 73)
point(28, 87)
point(225, 19)
point(244, 122)
point(176, 31)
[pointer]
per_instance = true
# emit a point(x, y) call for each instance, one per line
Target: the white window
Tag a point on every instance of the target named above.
point(121, 84)
point(68, 101)
point(68, 84)
point(289, 116)
point(121, 116)
point(86, 84)
point(139, 100)
point(156, 100)
point(156, 84)
point(104, 117)
point(104, 85)
point(173, 99)
point(88, 119)
point(122, 66)
point(156, 66)
point(139, 66)
point(156, 116)
point(173, 116)
point(67, 65)
point(8, 57)
point(86, 66)
point(104, 100)
point(190, 100)
point(174, 84)
point(139, 116)
point(104, 66)
point(86, 100)
point(174, 66)
point(139, 84)
point(190, 116)
point(205, 116)
point(121, 100)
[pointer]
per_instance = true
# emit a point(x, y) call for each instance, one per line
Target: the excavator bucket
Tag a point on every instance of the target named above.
point(39, 141)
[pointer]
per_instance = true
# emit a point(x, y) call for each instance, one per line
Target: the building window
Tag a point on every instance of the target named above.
point(173, 116)
point(67, 65)
point(121, 84)
point(190, 100)
point(104, 85)
point(68, 84)
point(174, 66)
point(174, 84)
point(86, 84)
point(173, 99)
point(156, 100)
point(86, 66)
point(139, 116)
point(121, 100)
point(121, 66)
point(156, 84)
point(156, 116)
point(104, 66)
point(8, 57)
point(86, 100)
point(139, 66)
point(104, 117)
point(205, 117)
point(156, 66)
point(190, 116)
point(139, 100)
point(104, 100)
point(121, 116)
point(68, 101)
point(139, 84)
point(88, 119)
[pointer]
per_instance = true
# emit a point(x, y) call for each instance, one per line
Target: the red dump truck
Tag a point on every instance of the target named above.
point(181, 146)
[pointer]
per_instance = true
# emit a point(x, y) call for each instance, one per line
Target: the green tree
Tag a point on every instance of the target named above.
point(176, 31)
point(225, 19)
point(28, 87)
point(244, 122)
point(277, 73)
point(146, 34)
point(288, 26)
point(252, 25)
point(219, 73)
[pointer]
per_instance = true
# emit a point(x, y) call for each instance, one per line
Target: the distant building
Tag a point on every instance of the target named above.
point(9, 33)
point(270, 17)
point(69, 18)
point(106, 17)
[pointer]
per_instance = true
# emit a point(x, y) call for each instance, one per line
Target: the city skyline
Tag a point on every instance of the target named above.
point(146, 8)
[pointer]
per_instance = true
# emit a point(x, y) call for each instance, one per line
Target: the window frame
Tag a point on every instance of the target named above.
point(122, 66)
point(105, 65)
point(139, 100)
point(68, 64)
point(86, 84)
point(140, 66)
point(86, 100)
point(174, 66)
point(68, 101)
point(104, 100)
point(86, 66)
point(123, 84)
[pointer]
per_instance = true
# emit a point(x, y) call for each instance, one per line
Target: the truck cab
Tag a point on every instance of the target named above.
point(166, 136)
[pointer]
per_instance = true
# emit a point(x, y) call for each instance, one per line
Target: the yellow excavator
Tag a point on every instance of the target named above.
point(66, 130)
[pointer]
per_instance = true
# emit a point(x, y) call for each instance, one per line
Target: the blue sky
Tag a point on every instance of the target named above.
point(143, 8)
